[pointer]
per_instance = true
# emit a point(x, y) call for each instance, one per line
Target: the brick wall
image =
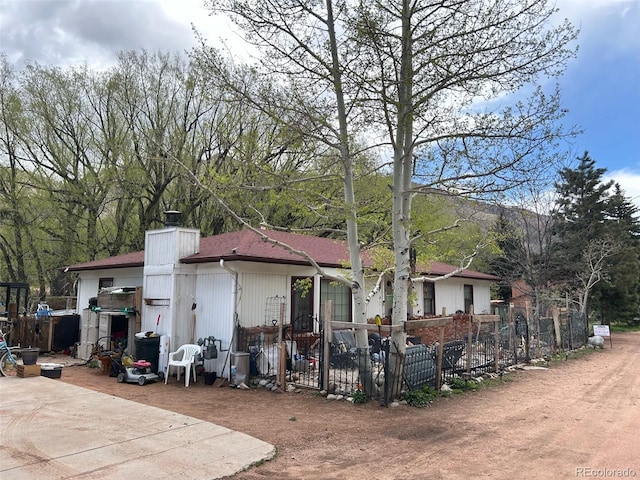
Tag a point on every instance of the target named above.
point(455, 330)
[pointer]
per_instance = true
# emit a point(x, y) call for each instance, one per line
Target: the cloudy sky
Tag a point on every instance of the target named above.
point(601, 89)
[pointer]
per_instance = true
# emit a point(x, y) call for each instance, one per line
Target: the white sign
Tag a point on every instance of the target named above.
point(602, 330)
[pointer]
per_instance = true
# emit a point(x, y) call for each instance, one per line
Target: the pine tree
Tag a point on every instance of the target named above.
point(580, 215)
point(588, 214)
point(507, 263)
point(618, 297)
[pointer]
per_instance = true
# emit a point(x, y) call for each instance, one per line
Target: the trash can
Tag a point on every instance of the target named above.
point(239, 368)
point(148, 348)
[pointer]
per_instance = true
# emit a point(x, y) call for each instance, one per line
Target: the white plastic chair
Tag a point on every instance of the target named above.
point(184, 357)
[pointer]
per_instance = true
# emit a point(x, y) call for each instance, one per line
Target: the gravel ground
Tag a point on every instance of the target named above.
point(577, 419)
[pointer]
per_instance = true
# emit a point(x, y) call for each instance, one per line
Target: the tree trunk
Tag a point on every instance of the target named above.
point(401, 214)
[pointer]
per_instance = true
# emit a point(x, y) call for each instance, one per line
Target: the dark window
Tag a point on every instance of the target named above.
point(429, 298)
point(468, 298)
point(340, 295)
point(302, 304)
point(105, 283)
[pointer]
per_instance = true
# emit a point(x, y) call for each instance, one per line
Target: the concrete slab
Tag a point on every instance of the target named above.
point(53, 430)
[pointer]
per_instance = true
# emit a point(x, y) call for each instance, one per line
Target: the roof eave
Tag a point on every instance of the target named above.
point(104, 267)
point(243, 258)
point(461, 275)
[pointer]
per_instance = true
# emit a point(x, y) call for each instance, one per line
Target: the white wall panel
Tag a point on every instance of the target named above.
point(158, 286)
point(450, 294)
point(255, 289)
point(482, 298)
point(88, 282)
point(183, 321)
point(168, 245)
point(375, 306)
point(214, 312)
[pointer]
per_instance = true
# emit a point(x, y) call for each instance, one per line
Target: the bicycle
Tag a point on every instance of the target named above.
point(9, 359)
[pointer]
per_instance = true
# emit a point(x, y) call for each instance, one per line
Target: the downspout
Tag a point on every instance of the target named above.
point(235, 297)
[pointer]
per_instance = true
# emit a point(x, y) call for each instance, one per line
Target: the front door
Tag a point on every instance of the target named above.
point(302, 304)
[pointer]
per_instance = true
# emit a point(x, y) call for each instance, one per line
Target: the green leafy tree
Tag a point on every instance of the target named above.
point(13, 190)
point(89, 160)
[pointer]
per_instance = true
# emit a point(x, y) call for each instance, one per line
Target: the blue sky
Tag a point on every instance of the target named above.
point(601, 88)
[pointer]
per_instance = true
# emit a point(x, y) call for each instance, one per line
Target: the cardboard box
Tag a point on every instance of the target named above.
point(28, 370)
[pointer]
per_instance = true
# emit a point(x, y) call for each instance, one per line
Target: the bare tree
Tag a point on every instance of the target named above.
point(302, 46)
point(415, 70)
point(595, 268)
point(417, 76)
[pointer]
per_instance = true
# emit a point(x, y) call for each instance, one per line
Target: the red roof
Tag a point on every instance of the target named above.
point(134, 259)
point(439, 269)
point(247, 245)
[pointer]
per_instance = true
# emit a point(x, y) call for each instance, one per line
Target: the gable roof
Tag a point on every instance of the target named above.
point(247, 245)
point(127, 260)
point(440, 269)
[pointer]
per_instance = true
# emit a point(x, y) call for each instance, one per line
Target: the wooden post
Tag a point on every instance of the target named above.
point(570, 326)
point(50, 320)
point(527, 341)
point(514, 333)
point(555, 312)
point(328, 313)
point(440, 352)
point(538, 333)
point(479, 320)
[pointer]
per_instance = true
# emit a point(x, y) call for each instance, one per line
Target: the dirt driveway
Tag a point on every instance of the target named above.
point(577, 419)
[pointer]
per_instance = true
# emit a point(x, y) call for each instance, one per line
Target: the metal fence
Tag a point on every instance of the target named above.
point(345, 368)
point(300, 355)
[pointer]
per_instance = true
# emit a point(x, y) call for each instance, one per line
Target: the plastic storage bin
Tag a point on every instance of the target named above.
point(148, 348)
point(51, 370)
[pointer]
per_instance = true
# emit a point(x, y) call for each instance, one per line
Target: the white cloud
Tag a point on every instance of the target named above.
point(590, 8)
point(612, 22)
point(629, 180)
point(70, 32)
point(214, 28)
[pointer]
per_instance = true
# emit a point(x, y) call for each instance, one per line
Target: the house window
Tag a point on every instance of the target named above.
point(340, 295)
point(429, 298)
point(105, 283)
point(468, 298)
point(302, 304)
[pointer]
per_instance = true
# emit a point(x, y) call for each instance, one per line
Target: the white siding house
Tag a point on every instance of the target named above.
point(196, 287)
